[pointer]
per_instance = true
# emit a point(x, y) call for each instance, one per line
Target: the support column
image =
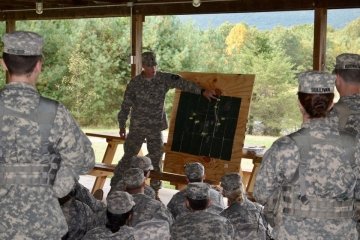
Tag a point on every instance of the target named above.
point(320, 27)
point(10, 26)
point(136, 43)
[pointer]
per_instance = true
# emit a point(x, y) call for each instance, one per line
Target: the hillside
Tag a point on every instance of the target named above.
point(269, 20)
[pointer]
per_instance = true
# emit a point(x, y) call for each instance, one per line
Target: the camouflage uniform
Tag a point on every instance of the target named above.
point(118, 202)
point(30, 210)
point(243, 214)
point(201, 224)
point(350, 62)
point(176, 205)
point(146, 208)
point(314, 193)
point(153, 229)
point(145, 98)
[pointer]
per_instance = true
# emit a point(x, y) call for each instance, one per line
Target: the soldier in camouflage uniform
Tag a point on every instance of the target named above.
point(146, 208)
point(195, 172)
point(347, 109)
point(306, 180)
point(145, 96)
point(119, 211)
point(243, 214)
point(42, 149)
point(144, 163)
point(200, 224)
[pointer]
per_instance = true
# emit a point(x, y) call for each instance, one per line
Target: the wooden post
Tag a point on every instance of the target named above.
point(136, 43)
point(10, 27)
point(319, 52)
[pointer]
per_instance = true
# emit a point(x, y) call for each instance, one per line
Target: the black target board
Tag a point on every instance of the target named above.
point(206, 128)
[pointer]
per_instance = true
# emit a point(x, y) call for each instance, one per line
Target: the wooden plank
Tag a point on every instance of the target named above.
point(136, 43)
point(320, 29)
point(235, 85)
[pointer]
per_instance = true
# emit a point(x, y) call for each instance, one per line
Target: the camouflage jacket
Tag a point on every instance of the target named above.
point(103, 233)
point(330, 175)
point(33, 211)
point(201, 225)
point(145, 98)
point(246, 220)
point(153, 229)
point(147, 208)
point(178, 208)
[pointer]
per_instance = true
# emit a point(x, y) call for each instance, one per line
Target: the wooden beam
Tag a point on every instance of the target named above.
point(320, 28)
point(10, 26)
point(179, 7)
point(136, 43)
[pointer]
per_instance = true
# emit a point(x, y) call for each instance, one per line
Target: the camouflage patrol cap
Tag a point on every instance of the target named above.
point(134, 177)
point(141, 162)
point(198, 191)
point(23, 43)
point(348, 61)
point(119, 202)
point(148, 59)
point(231, 182)
point(315, 82)
point(194, 170)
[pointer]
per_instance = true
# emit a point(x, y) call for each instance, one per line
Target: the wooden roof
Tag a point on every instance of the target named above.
point(63, 9)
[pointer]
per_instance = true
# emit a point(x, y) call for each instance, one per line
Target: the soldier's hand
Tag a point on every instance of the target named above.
point(210, 94)
point(122, 133)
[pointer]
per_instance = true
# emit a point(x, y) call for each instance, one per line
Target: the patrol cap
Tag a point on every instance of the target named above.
point(231, 182)
point(348, 61)
point(23, 43)
point(198, 191)
point(148, 59)
point(315, 82)
point(119, 202)
point(141, 162)
point(194, 170)
point(134, 177)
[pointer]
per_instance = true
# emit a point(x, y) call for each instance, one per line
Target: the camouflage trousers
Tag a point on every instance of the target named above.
point(132, 146)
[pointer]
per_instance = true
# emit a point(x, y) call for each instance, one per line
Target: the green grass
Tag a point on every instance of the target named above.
point(266, 141)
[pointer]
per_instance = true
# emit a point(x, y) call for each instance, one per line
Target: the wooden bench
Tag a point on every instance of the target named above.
point(106, 168)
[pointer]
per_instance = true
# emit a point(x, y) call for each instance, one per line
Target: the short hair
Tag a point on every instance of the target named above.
point(198, 204)
point(351, 76)
point(20, 65)
point(316, 105)
point(115, 221)
point(195, 180)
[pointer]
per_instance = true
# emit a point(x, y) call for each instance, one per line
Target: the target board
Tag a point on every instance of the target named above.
point(209, 132)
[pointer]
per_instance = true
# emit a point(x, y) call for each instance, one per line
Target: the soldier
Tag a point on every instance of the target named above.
point(306, 180)
point(347, 70)
point(195, 172)
point(200, 224)
point(146, 208)
point(42, 149)
point(145, 96)
point(243, 214)
point(119, 211)
point(144, 163)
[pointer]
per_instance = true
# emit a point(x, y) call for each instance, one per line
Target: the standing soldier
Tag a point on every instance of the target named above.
point(42, 149)
point(307, 180)
point(145, 96)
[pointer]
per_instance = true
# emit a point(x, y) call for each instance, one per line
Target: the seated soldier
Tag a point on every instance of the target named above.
point(146, 208)
point(195, 172)
point(243, 214)
point(199, 223)
point(145, 164)
point(81, 211)
point(119, 211)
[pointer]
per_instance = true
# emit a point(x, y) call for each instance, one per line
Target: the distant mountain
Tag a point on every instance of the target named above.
point(268, 20)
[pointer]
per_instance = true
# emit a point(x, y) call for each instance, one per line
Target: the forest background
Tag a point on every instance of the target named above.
point(87, 63)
